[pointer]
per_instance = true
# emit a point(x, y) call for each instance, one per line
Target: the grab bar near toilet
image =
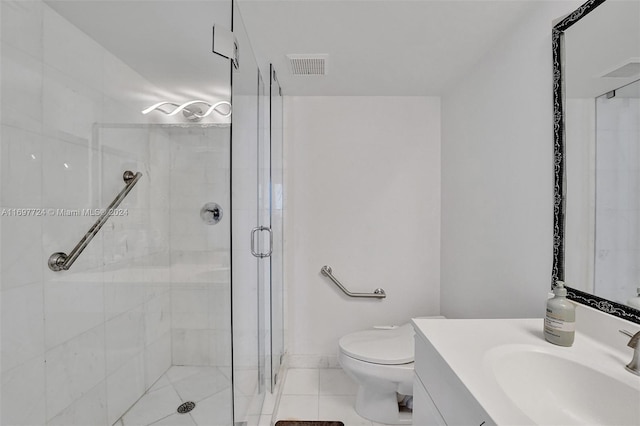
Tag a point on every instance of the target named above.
point(378, 293)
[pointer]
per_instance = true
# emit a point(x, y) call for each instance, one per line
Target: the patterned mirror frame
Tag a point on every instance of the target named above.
point(559, 207)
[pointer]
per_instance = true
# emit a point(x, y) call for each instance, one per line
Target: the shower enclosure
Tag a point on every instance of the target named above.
point(617, 170)
point(168, 310)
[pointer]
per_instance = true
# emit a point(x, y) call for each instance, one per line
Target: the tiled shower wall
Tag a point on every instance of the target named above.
point(79, 347)
point(200, 293)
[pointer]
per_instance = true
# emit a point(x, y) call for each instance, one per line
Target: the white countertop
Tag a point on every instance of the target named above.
point(470, 346)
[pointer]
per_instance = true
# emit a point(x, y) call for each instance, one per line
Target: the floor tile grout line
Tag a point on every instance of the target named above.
point(318, 389)
point(180, 397)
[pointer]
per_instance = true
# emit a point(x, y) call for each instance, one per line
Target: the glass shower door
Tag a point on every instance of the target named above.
point(248, 284)
point(139, 326)
point(171, 252)
point(276, 210)
point(617, 205)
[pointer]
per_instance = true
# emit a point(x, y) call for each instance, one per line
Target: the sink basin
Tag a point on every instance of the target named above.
point(553, 390)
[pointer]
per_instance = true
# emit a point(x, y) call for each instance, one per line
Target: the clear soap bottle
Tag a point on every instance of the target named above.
point(560, 318)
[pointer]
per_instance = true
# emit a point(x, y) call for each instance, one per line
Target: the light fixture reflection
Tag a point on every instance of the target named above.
point(192, 109)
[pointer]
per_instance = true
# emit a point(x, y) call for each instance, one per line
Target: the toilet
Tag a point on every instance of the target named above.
point(380, 360)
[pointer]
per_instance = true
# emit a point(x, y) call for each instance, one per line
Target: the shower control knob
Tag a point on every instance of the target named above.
point(211, 213)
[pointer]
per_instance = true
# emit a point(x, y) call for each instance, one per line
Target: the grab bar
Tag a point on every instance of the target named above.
point(378, 293)
point(60, 261)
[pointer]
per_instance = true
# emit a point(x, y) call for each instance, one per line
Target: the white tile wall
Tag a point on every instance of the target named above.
point(190, 347)
point(124, 338)
point(80, 347)
point(200, 300)
point(22, 99)
point(73, 368)
point(125, 385)
point(21, 244)
point(89, 409)
point(23, 335)
point(157, 358)
point(26, 379)
point(21, 167)
point(69, 108)
point(157, 319)
point(79, 57)
point(71, 308)
point(120, 297)
point(189, 306)
point(22, 26)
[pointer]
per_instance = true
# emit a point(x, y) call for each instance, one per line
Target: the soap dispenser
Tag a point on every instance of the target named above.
point(560, 319)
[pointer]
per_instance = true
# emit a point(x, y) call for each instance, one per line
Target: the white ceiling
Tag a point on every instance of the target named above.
point(603, 40)
point(390, 47)
point(169, 42)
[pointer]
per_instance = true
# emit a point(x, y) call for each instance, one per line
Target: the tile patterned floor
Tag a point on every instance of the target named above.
point(208, 387)
point(309, 394)
point(320, 394)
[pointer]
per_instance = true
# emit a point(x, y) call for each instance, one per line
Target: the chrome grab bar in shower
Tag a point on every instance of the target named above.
point(60, 261)
point(378, 293)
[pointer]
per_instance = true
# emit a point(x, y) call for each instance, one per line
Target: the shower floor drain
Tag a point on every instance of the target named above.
point(186, 407)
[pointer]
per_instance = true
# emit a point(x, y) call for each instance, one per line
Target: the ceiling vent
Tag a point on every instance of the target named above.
point(308, 64)
point(630, 69)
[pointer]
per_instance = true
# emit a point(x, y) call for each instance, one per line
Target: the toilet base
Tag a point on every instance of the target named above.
point(381, 407)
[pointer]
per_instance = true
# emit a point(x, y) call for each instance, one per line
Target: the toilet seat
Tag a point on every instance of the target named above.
point(380, 346)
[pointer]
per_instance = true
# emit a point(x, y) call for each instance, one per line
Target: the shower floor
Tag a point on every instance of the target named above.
point(208, 387)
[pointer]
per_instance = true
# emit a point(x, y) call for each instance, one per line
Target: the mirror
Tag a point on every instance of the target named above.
point(596, 60)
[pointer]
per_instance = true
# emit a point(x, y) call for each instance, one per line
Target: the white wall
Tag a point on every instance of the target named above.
point(362, 179)
point(497, 177)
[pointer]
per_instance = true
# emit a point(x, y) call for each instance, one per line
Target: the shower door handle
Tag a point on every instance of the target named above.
point(253, 240)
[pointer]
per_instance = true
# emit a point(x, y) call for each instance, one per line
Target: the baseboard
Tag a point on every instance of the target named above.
point(312, 361)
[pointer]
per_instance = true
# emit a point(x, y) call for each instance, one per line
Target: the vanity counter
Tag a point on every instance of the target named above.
point(496, 370)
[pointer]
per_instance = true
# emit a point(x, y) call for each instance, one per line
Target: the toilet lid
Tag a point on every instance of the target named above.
point(380, 346)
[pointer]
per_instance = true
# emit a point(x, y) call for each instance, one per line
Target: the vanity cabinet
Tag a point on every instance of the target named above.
point(439, 397)
point(425, 412)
